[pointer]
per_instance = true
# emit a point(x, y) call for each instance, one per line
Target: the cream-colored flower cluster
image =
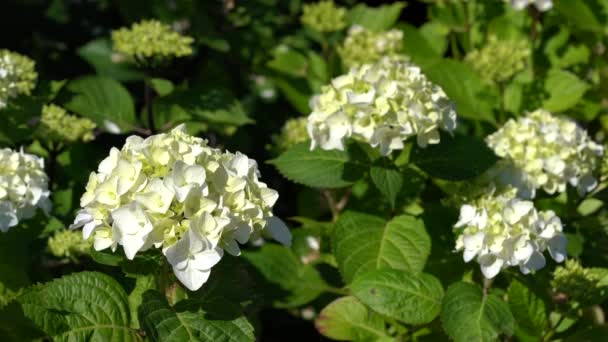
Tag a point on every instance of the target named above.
point(363, 46)
point(548, 152)
point(498, 60)
point(174, 192)
point(23, 187)
point(151, 39)
point(324, 16)
point(292, 133)
point(541, 5)
point(383, 104)
point(501, 230)
point(66, 127)
point(17, 76)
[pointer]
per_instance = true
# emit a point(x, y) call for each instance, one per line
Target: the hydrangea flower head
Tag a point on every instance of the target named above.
point(324, 16)
point(584, 286)
point(363, 46)
point(23, 187)
point(499, 60)
point(151, 39)
point(66, 127)
point(292, 133)
point(502, 230)
point(17, 76)
point(173, 191)
point(541, 5)
point(548, 152)
point(384, 104)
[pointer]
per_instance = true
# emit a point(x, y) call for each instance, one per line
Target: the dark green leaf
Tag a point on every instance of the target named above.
point(388, 179)
point(528, 309)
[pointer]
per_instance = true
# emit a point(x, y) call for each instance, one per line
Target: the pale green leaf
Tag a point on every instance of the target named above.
point(162, 86)
point(347, 319)
point(565, 90)
point(376, 19)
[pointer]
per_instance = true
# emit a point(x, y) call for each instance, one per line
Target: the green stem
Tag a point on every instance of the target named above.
point(148, 104)
point(337, 290)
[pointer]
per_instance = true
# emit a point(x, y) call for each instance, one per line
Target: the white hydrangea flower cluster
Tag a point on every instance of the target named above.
point(23, 187)
point(383, 104)
point(541, 5)
point(548, 152)
point(503, 230)
point(173, 191)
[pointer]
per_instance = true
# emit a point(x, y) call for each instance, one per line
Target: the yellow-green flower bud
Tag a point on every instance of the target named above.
point(69, 244)
point(292, 133)
point(583, 286)
point(499, 60)
point(151, 39)
point(17, 76)
point(66, 127)
point(324, 16)
point(362, 46)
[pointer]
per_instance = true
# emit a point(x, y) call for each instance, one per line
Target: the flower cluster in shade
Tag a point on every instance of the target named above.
point(324, 16)
point(65, 127)
point(23, 187)
point(292, 133)
point(383, 104)
point(17, 76)
point(543, 151)
point(541, 5)
point(502, 230)
point(68, 244)
point(172, 191)
point(498, 60)
point(363, 46)
point(151, 39)
point(583, 286)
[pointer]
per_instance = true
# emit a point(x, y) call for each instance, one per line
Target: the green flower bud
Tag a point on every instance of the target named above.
point(68, 244)
point(66, 127)
point(499, 60)
point(151, 39)
point(324, 16)
point(583, 286)
point(292, 133)
point(17, 76)
point(362, 46)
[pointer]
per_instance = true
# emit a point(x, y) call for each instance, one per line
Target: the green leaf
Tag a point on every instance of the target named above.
point(100, 98)
point(468, 315)
point(589, 334)
point(579, 14)
point(192, 320)
point(86, 306)
point(388, 179)
point(143, 283)
point(365, 243)
point(528, 309)
point(454, 158)
point(376, 19)
point(413, 299)
point(162, 86)
point(347, 319)
point(289, 61)
point(474, 99)
point(278, 265)
point(421, 51)
point(15, 253)
point(565, 90)
point(296, 91)
point(99, 54)
point(320, 168)
point(16, 327)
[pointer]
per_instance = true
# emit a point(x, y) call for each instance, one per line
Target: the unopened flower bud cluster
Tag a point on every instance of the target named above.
point(499, 60)
point(547, 152)
point(363, 46)
point(324, 16)
point(384, 104)
point(23, 187)
point(583, 286)
point(174, 192)
point(541, 5)
point(68, 244)
point(292, 133)
point(151, 38)
point(17, 76)
point(66, 127)
point(501, 230)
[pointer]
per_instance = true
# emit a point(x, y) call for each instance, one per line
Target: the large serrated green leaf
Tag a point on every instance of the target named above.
point(86, 306)
point(565, 90)
point(376, 18)
point(413, 299)
point(192, 320)
point(319, 168)
point(347, 319)
point(365, 242)
point(468, 315)
point(528, 309)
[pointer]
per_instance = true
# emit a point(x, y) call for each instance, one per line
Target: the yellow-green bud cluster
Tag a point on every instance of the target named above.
point(151, 39)
point(546, 152)
point(499, 60)
point(324, 16)
point(17, 76)
point(583, 286)
point(292, 133)
point(362, 46)
point(66, 127)
point(68, 244)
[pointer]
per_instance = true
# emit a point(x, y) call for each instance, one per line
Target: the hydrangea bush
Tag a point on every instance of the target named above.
point(270, 170)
